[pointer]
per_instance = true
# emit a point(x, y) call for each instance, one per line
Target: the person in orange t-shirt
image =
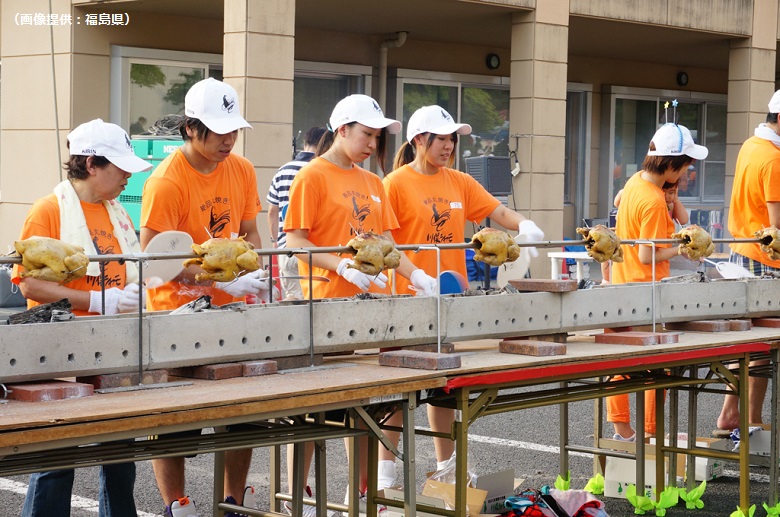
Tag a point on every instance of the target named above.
point(755, 204)
point(644, 214)
point(433, 203)
point(209, 192)
point(83, 211)
point(332, 199)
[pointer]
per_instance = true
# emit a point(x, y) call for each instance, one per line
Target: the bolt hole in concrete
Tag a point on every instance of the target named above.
point(330, 334)
point(13, 362)
point(98, 356)
point(197, 345)
point(222, 341)
point(125, 353)
point(42, 359)
point(173, 347)
point(352, 333)
point(290, 337)
point(71, 358)
point(244, 340)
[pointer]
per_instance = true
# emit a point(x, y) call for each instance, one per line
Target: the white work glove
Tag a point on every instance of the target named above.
point(362, 280)
point(424, 285)
point(117, 300)
point(529, 232)
point(250, 283)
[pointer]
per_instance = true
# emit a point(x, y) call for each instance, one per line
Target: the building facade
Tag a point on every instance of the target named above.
point(571, 90)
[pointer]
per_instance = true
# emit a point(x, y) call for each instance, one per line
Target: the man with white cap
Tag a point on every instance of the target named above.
point(755, 205)
point(209, 192)
point(83, 211)
point(644, 214)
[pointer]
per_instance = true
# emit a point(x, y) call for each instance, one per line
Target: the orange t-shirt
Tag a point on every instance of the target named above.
point(642, 214)
point(335, 204)
point(177, 197)
point(756, 182)
point(433, 210)
point(43, 220)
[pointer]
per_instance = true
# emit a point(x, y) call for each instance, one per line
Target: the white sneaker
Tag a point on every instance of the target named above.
point(621, 438)
point(381, 510)
point(184, 507)
point(309, 510)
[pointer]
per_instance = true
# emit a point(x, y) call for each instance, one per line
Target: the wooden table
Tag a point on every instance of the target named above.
point(51, 435)
point(487, 381)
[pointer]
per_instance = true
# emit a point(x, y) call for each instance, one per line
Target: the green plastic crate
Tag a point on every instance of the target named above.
point(162, 148)
point(153, 151)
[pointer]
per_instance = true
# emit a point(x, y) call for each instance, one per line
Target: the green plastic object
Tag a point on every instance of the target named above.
point(154, 151)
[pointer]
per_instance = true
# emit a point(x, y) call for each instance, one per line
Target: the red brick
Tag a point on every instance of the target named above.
point(766, 322)
point(210, 372)
point(120, 380)
point(637, 338)
point(420, 360)
point(740, 325)
point(530, 347)
point(73, 390)
point(256, 368)
point(446, 348)
point(545, 285)
point(53, 390)
point(700, 326)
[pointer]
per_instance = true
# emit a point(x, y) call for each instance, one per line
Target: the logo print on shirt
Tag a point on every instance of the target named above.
point(360, 213)
point(439, 219)
point(217, 222)
point(228, 104)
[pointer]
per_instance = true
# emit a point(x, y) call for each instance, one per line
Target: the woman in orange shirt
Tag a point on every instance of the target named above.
point(433, 203)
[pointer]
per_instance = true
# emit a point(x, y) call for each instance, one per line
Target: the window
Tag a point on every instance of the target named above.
point(481, 102)
point(317, 89)
point(636, 118)
point(147, 84)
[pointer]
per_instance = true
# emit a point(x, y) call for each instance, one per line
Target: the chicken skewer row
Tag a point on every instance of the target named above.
point(41, 256)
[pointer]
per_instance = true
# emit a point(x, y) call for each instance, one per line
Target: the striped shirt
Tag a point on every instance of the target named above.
point(279, 191)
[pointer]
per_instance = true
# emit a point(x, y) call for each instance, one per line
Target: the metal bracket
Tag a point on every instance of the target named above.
point(372, 425)
point(723, 372)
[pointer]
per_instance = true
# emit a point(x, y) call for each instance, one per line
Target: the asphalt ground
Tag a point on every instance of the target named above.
point(526, 441)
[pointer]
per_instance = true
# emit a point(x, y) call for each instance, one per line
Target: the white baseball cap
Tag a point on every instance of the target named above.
point(363, 110)
point(216, 105)
point(98, 138)
point(436, 120)
point(774, 103)
point(676, 140)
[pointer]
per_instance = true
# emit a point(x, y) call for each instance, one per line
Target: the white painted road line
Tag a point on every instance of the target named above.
point(81, 503)
point(92, 506)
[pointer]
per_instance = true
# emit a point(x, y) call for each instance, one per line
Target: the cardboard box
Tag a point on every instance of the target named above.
point(487, 498)
point(621, 472)
point(475, 497)
point(706, 468)
point(499, 486)
point(397, 494)
point(759, 442)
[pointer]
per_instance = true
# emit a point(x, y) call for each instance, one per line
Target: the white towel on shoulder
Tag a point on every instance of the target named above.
point(73, 229)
